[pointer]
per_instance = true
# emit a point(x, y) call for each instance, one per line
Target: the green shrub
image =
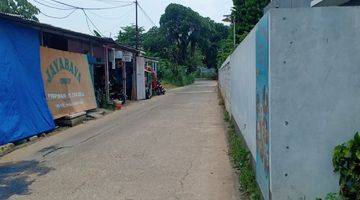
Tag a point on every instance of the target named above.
point(346, 161)
point(226, 116)
point(241, 158)
point(332, 196)
point(101, 100)
point(174, 74)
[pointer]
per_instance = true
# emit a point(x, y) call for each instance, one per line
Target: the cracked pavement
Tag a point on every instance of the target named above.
point(169, 147)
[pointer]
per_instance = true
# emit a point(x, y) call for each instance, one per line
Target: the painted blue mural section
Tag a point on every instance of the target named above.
point(23, 108)
point(262, 106)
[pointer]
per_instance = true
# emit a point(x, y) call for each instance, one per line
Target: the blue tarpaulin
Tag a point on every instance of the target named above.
point(23, 108)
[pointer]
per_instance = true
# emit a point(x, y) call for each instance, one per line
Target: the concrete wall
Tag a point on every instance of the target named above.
point(314, 96)
point(224, 82)
point(309, 3)
point(243, 90)
point(313, 80)
point(140, 78)
point(237, 85)
point(320, 3)
point(288, 4)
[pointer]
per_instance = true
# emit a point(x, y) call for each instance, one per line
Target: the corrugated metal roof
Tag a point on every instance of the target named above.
point(61, 31)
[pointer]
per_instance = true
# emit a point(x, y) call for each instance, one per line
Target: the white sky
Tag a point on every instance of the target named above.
point(110, 21)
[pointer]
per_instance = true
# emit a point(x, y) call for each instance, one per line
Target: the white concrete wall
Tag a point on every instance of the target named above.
point(314, 96)
point(237, 83)
point(140, 78)
point(314, 84)
point(243, 83)
point(224, 82)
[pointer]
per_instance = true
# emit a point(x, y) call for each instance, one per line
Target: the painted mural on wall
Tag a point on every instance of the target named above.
point(262, 106)
point(67, 80)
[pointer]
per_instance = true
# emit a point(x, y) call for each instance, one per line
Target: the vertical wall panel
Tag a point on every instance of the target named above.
point(262, 106)
point(242, 98)
point(140, 78)
point(225, 82)
point(314, 96)
point(305, 76)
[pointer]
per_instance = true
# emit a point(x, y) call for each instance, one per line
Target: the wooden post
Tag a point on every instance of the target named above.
point(134, 88)
point(93, 65)
point(107, 87)
point(124, 76)
point(91, 49)
point(41, 38)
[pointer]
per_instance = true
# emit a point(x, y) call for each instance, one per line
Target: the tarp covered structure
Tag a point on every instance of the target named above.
point(23, 108)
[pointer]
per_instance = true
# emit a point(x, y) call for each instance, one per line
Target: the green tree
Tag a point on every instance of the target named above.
point(127, 36)
point(246, 14)
point(225, 49)
point(154, 43)
point(184, 30)
point(211, 47)
point(19, 7)
point(184, 38)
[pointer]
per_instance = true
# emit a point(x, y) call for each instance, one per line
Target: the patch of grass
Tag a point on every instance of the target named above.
point(227, 117)
point(241, 159)
point(180, 79)
point(168, 86)
point(220, 97)
point(175, 74)
point(332, 196)
point(108, 106)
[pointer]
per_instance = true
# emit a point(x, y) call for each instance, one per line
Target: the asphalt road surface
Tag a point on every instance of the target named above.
point(169, 147)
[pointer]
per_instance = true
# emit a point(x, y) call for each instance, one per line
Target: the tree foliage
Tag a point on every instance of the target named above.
point(127, 35)
point(19, 7)
point(246, 14)
point(188, 35)
point(184, 30)
point(226, 47)
point(211, 47)
point(154, 42)
point(187, 39)
point(184, 37)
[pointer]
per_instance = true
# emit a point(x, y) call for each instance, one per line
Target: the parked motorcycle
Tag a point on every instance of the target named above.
point(159, 89)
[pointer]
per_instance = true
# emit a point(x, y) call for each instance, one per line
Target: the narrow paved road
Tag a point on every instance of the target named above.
point(169, 147)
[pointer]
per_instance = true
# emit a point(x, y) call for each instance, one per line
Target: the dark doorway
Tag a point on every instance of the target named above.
point(55, 41)
point(129, 78)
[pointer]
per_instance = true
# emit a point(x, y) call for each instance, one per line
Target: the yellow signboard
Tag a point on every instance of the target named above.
point(67, 80)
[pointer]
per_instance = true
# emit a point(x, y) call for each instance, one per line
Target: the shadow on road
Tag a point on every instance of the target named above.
point(16, 177)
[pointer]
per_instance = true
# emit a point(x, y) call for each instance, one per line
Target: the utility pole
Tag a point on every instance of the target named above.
point(135, 59)
point(234, 23)
point(136, 25)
